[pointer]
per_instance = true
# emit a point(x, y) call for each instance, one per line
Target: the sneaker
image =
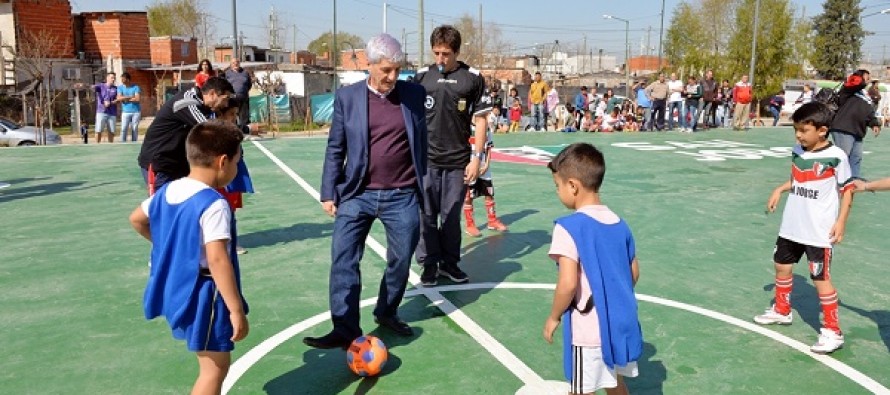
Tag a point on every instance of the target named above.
point(497, 225)
point(770, 316)
point(473, 231)
point(829, 341)
point(454, 273)
point(429, 275)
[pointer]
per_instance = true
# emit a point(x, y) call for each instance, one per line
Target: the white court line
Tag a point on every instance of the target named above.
point(501, 353)
point(530, 378)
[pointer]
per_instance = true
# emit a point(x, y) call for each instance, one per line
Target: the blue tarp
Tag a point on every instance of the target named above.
point(259, 108)
point(322, 107)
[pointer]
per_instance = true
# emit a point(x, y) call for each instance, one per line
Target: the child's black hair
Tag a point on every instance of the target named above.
point(581, 161)
point(813, 113)
point(208, 140)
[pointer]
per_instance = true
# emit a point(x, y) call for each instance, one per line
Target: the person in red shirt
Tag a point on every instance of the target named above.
point(205, 71)
point(515, 115)
point(743, 94)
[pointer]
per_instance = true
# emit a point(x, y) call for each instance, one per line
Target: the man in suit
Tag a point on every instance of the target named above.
point(373, 169)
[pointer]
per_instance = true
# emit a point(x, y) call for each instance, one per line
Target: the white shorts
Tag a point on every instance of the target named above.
point(590, 373)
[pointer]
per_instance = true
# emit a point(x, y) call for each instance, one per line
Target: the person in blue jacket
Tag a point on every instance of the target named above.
point(598, 268)
point(195, 281)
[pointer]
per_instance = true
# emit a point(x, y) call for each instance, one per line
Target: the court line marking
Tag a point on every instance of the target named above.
point(240, 366)
point(260, 350)
point(486, 340)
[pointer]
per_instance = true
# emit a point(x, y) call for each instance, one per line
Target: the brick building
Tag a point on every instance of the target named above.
point(31, 26)
point(172, 50)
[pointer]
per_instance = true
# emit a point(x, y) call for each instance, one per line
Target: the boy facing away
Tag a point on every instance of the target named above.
point(595, 252)
point(815, 216)
point(195, 280)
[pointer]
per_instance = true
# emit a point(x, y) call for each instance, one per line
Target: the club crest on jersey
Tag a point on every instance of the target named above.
point(430, 102)
point(819, 168)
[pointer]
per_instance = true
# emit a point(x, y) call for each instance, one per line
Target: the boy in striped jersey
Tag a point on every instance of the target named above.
point(819, 201)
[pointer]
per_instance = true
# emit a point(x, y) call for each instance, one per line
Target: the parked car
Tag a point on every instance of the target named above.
point(15, 135)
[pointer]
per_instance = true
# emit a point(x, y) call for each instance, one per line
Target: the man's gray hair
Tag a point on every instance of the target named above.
point(384, 46)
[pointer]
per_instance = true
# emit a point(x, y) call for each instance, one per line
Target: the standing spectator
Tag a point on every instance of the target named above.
point(205, 71)
point(551, 102)
point(644, 104)
point(162, 156)
point(581, 105)
point(675, 101)
point(496, 100)
point(855, 114)
point(742, 95)
point(536, 95)
point(131, 112)
point(710, 99)
point(689, 117)
point(657, 91)
point(373, 169)
point(106, 107)
point(725, 103)
point(515, 115)
point(241, 81)
point(775, 106)
point(455, 102)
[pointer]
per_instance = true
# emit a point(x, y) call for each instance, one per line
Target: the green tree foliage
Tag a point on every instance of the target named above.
point(175, 18)
point(717, 35)
point(838, 39)
point(322, 44)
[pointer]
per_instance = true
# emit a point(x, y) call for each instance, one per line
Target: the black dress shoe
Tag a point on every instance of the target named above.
point(395, 324)
point(331, 340)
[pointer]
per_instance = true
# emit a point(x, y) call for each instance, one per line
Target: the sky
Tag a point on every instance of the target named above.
point(531, 26)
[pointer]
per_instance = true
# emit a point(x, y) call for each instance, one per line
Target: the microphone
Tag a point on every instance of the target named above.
point(441, 68)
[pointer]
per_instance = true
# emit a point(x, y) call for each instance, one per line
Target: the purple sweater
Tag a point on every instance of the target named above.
point(389, 156)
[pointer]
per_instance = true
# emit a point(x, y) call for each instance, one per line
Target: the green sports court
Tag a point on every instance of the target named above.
point(72, 274)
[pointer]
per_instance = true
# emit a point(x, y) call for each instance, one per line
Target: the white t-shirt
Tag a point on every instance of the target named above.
point(214, 221)
point(678, 95)
point(817, 178)
point(585, 327)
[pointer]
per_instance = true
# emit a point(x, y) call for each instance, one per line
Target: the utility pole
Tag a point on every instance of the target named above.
point(235, 50)
point(295, 43)
point(420, 35)
point(480, 38)
point(754, 43)
point(660, 35)
point(335, 56)
point(385, 6)
point(648, 45)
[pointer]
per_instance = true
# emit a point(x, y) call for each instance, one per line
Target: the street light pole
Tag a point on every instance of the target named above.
point(626, 53)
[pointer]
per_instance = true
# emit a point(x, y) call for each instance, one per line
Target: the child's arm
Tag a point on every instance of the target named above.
point(837, 231)
point(777, 195)
point(873, 186)
point(635, 270)
point(484, 167)
point(140, 223)
point(224, 276)
point(562, 298)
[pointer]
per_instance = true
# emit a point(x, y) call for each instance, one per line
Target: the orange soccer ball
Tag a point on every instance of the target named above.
point(366, 356)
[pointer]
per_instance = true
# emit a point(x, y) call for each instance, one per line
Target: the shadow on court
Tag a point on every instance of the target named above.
point(14, 193)
point(653, 373)
point(324, 372)
point(804, 300)
point(880, 317)
point(295, 232)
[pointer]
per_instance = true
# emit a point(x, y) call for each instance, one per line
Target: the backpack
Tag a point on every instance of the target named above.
point(830, 97)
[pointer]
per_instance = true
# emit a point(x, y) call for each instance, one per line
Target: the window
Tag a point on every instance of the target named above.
point(185, 50)
point(227, 58)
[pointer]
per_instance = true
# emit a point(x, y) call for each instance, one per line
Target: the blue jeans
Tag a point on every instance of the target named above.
point(103, 120)
point(538, 115)
point(399, 211)
point(852, 146)
point(678, 105)
point(130, 124)
point(691, 109)
point(775, 112)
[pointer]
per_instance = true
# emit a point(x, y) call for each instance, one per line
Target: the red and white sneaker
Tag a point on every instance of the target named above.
point(829, 342)
point(497, 225)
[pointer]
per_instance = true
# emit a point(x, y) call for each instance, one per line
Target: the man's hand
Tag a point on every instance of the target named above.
point(472, 171)
point(329, 207)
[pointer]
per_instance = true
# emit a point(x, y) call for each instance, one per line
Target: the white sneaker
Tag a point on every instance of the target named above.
point(829, 341)
point(770, 317)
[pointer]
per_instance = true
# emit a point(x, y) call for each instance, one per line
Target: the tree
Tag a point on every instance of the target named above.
point(34, 56)
point(322, 44)
point(181, 18)
point(698, 36)
point(774, 48)
point(838, 40)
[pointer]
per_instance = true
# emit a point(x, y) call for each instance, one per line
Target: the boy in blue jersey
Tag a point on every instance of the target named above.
point(195, 280)
point(594, 250)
